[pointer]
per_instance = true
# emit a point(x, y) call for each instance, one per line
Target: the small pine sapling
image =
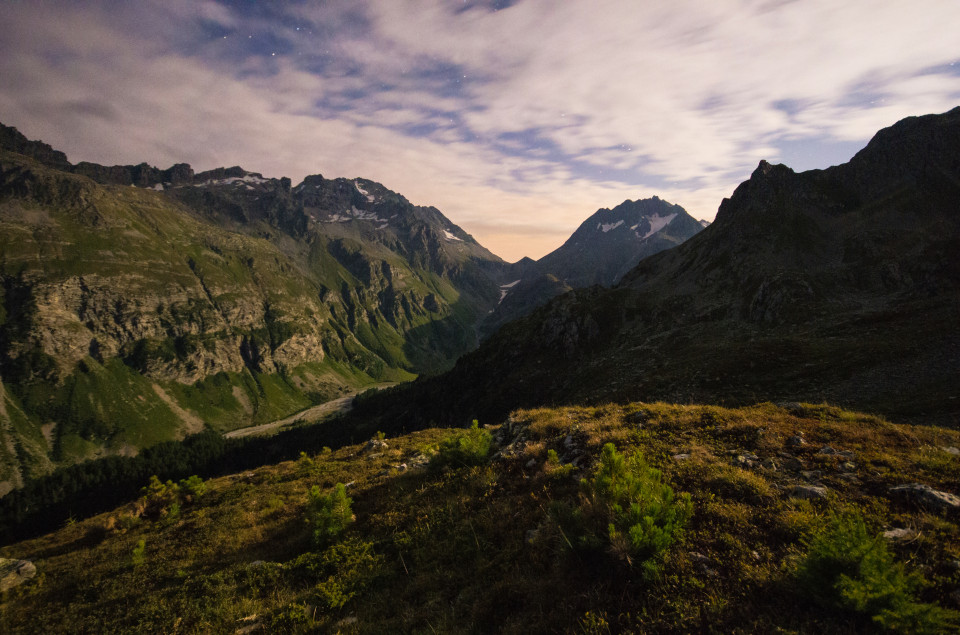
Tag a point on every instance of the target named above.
point(328, 515)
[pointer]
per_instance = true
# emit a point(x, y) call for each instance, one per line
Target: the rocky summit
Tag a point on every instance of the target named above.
point(605, 247)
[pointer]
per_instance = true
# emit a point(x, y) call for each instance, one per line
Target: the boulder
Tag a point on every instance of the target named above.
point(899, 533)
point(927, 496)
point(809, 492)
point(15, 572)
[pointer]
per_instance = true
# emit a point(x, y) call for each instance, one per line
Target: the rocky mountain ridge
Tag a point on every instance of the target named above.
point(607, 245)
point(132, 315)
point(837, 284)
point(140, 304)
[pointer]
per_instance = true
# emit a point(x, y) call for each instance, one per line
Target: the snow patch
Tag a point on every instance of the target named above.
point(353, 214)
point(235, 180)
point(505, 289)
point(158, 187)
point(450, 236)
point(608, 226)
point(369, 196)
point(657, 222)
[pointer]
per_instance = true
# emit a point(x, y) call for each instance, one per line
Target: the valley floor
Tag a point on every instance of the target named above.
point(309, 415)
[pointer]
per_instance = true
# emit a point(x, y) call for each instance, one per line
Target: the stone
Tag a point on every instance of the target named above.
point(702, 563)
point(796, 441)
point(927, 496)
point(899, 534)
point(794, 408)
point(790, 462)
point(375, 445)
point(532, 463)
point(744, 460)
point(809, 492)
point(15, 572)
point(951, 450)
point(681, 457)
point(811, 475)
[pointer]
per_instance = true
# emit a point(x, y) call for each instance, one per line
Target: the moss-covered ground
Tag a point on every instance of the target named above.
point(478, 549)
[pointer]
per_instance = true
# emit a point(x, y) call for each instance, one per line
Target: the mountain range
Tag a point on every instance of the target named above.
point(839, 284)
point(613, 482)
point(141, 304)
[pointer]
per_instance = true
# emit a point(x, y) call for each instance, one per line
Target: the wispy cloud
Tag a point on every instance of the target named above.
point(517, 122)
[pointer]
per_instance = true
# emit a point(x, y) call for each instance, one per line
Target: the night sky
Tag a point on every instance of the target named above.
point(516, 119)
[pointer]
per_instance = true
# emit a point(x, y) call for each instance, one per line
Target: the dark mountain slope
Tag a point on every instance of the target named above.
point(605, 246)
point(840, 284)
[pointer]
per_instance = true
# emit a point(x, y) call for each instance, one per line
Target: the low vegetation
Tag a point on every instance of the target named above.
point(688, 518)
point(850, 568)
point(463, 449)
point(627, 508)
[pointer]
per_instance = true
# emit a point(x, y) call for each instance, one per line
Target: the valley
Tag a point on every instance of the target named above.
point(311, 415)
point(752, 428)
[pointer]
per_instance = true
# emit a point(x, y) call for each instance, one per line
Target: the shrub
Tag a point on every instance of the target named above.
point(328, 514)
point(553, 468)
point(137, 556)
point(157, 497)
point(846, 567)
point(290, 618)
point(626, 503)
point(340, 572)
point(305, 465)
point(192, 488)
point(464, 448)
point(354, 565)
point(162, 500)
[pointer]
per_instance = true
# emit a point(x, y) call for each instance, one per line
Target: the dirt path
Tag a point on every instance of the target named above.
point(341, 404)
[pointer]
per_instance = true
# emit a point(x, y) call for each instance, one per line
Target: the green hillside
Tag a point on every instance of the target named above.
point(131, 316)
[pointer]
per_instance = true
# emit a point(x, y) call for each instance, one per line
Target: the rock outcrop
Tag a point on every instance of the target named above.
point(15, 572)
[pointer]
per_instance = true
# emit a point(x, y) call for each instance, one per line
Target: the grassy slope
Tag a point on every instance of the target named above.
point(135, 244)
point(454, 550)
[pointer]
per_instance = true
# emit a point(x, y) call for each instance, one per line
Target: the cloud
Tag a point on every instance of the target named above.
point(516, 121)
